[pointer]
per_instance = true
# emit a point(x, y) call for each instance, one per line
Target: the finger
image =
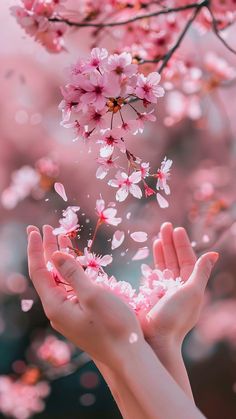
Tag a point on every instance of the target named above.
point(64, 242)
point(41, 278)
point(170, 256)
point(158, 255)
point(31, 228)
point(49, 242)
point(185, 253)
point(202, 271)
point(73, 273)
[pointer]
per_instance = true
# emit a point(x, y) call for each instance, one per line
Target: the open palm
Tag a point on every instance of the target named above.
point(177, 312)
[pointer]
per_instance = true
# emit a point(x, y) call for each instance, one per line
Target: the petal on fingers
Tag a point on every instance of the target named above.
point(74, 274)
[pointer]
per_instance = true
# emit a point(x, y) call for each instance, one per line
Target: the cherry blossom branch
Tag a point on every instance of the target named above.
point(164, 11)
point(217, 33)
point(179, 40)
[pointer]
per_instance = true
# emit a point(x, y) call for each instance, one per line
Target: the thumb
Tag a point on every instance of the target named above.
point(202, 270)
point(72, 273)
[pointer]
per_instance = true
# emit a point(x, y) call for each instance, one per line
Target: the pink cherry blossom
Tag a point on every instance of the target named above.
point(163, 175)
point(54, 351)
point(126, 184)
point(148, 88)
point(98, 89)
point(69, 223)
point(93, 263)
point(98, 56)
point(107, 215)
point(121, 65)
point(106, 163)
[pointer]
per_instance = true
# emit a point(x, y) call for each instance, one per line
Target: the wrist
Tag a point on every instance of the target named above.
point(166, 346)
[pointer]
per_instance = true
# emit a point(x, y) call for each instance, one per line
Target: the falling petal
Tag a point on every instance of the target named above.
point(128, 215)
point(59, 188)
point(117, 239)
point(142, 253)
point(162, 201)
point(205, 238)
point(26, 305)
point(139, 236)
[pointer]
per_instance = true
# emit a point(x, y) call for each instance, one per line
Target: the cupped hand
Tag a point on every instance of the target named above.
point(177, 312)
point(94, 319)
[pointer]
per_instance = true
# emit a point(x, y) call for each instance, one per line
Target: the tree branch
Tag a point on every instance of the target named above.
point(217, 33)
point(134, 19)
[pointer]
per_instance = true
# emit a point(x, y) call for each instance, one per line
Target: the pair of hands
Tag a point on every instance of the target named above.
point(99, 322)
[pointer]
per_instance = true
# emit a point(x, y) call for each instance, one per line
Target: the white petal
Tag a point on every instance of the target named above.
point(162, 201)
point(122, 194)
point(141, 254)
point(135, 191)
point(139, 236)
point(106, 260)
point(59, 188)
point(101, 172)
point(117, 240)
point(26, 305)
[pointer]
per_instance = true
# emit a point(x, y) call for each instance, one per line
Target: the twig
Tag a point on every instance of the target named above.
point(217, 33)
point(179, 40)
point(134, 19)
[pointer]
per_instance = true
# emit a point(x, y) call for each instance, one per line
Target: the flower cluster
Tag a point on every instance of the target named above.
point(27, 180)
point(151, 36)
point(98, 91)
point(154, 283)
point(33, 16)
point(20, 399)
point(54, 351)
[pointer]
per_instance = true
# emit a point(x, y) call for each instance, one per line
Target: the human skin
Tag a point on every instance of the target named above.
point(105, 324)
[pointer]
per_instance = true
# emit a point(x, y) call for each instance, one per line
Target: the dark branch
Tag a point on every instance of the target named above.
point(217, 33)
point(134, 19)
point(179, 40)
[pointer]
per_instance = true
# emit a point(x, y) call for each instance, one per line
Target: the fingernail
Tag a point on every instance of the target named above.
point(214, 256)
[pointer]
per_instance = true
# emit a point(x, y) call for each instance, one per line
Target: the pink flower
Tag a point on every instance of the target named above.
point(121, 65)
point(145, 169)
point(98, 56)
point(93, 263)
point(218, 67)
point(54, 351)
point(142, 118)
point(163, 176)
point(148, 88)
point(99, 89)
point(105, 164)
point(126, 184)
point(108, 215)
point(110, 140)
point(69, 223)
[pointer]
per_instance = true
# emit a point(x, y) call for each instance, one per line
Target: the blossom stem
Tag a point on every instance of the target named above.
point(99, 222)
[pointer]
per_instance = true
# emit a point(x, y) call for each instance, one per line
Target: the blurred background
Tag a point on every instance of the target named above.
point(52, 379)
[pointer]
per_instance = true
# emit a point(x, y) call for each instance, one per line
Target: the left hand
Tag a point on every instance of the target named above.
point(177, 312)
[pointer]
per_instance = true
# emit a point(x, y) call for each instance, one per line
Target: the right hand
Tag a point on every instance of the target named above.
point(97, 321)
